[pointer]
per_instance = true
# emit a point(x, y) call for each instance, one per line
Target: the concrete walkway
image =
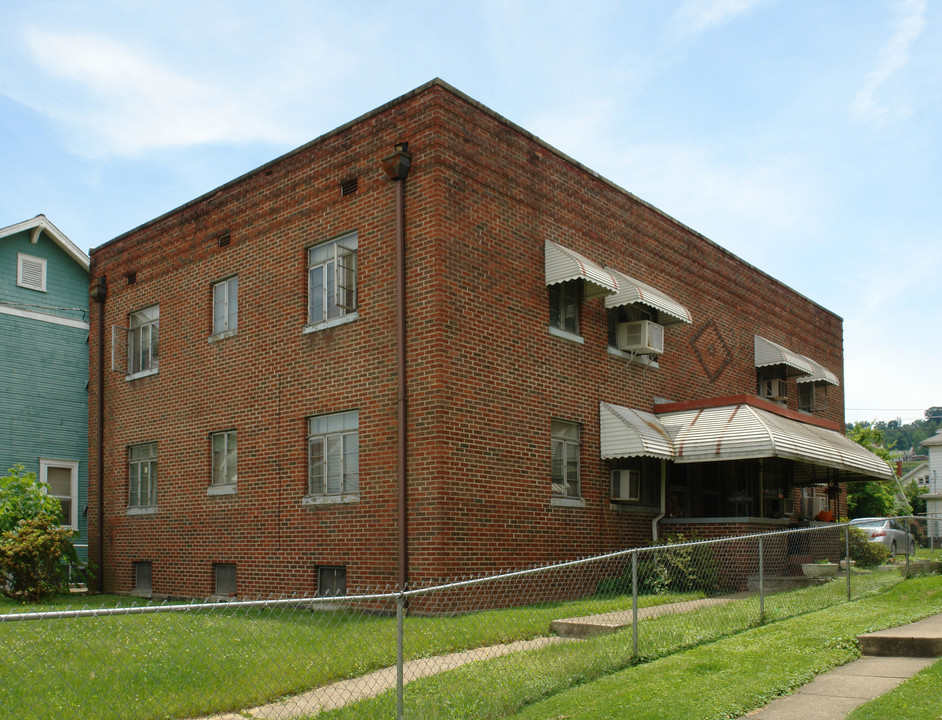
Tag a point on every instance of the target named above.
point(891, 656)
point(608, 623)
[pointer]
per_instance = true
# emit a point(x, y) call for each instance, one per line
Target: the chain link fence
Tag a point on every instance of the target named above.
point(473, 648)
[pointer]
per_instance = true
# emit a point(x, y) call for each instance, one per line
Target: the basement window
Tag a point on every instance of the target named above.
point(225, 578)
point(331, 581)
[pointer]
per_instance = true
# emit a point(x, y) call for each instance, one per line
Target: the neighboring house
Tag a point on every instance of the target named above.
point(44, 363)
point(933, 498)
point(919, 474)
point(429, 344)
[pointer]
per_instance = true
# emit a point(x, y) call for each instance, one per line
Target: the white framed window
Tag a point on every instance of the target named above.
point(332, 281)
point(224, 458)
point(331, 581)
point(564, 300)
point(31, 272)
point(334, 455)
point(60, 480)
point(224, 575)
point(226, 306)
point(142, 476)
point(565, 462)
point(143, 348)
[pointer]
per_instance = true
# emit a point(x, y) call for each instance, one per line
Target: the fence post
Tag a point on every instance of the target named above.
point(634, 604)
point(847, 557)
point(761, 584)
point(400, 647)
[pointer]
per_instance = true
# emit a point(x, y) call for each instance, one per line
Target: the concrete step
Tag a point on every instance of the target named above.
point(918, 639)
point(608, 623)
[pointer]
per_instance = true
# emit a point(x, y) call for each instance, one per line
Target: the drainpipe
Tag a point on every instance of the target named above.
point(98, 293)
point(396, 167)
point(663, 512)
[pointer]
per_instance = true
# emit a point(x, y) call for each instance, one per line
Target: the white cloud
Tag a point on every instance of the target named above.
point(895, 55)
point(118, 101)
point(697, 16)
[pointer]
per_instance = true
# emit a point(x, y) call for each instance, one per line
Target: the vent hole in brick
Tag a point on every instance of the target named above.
point(131, 277)
point(348, 187)
point(224, 239)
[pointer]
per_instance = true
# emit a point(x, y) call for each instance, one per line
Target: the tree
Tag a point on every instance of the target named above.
point(869, 499)
point(33, 543)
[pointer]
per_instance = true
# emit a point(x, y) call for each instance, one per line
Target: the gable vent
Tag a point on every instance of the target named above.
point(31, 272)
point(348, 187)
point(224, 239)
point(131, 277)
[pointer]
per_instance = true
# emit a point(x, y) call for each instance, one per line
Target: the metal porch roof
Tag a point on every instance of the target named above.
point(634, 291)
point(735, 432)
point(632, 433)
point(563, 264)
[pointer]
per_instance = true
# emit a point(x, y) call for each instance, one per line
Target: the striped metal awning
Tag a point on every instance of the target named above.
point(769, 353)
point(632, 433)
point(736, 432)
point(821, 375)
point(631, 291)
point(563, 264)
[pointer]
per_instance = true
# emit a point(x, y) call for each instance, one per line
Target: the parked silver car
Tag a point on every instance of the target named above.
point(892, 533)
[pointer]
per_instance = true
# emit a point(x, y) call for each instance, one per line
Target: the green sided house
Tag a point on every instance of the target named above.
point(44, 363)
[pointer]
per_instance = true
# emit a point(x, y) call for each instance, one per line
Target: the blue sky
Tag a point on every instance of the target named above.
point(803, 135)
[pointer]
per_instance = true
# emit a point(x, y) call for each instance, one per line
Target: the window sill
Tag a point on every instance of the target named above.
point(345, 499)
point(143, 373)
point(222, 489)
point(566, 335)
point(333, 322)
point(646, 360)
point(222, 336)
point(567, 502)
point(143, 510)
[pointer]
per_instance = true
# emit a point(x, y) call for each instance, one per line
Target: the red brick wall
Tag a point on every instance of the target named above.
point(485, 376)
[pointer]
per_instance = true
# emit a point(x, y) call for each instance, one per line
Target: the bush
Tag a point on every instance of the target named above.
point(669, 570)
point(34, 546)
point(864, 552)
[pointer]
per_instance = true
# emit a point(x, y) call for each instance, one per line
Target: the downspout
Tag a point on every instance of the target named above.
point(98, 293)
point(396, 167)
point(663, 512)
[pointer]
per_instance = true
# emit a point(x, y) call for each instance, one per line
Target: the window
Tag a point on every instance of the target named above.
point(331, 581)
point(224, 458)
point(226, 306)
point(636, 480)
point(60, 478)
point(142, 475)
point(225, 578)
point(142, 340)
point(143, 578)
point(332, 281)
point(31, 272)
point(565, 448)
point(564, 305)
point(334, 454)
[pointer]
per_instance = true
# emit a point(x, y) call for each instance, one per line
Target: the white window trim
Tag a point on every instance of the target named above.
point(345, 495)
point(333, 322)
point(154, 364)
point(230, 489)
point(339, 243)
point(213, 485)
point(141, 509)
point(228, 332)
point(344, 499)
point(565, 334)
point(21, 259)
point(141, 374)
point(73, 466)
point(567, 502)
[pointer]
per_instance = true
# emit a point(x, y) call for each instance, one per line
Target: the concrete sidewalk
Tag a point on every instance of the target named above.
point(891, 656)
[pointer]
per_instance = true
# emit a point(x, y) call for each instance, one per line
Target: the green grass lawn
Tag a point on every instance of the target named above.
point(919, 698)
point(707, 679)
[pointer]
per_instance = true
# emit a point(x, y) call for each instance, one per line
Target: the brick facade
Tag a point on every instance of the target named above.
point(485, 376)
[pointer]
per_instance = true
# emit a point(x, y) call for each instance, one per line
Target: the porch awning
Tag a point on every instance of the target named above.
point(769, 353)
point(820, 375)
point(563, 264)
point(736, 432)
point(632, 291)
point(632, 433)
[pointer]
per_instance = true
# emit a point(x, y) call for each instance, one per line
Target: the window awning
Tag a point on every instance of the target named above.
point(632, 433)
point(563, 264)
point(769, 353)
point(821, 375)
point(632, 291)
point(736, 432)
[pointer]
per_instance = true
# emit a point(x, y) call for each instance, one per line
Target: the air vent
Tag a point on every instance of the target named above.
point(348, 187)
point(131, 277)
point(224, 239)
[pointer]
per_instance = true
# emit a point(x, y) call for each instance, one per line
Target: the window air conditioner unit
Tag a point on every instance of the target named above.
point(774, 389)
point(641, 337)
point(626, 485)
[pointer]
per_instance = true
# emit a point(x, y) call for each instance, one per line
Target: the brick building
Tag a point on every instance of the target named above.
point(429, 344)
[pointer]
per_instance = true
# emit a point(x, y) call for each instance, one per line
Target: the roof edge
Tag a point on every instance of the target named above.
point(46, 225)
point(752, 401)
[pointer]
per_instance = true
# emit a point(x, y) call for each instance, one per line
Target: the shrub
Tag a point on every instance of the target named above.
point(669, 569)
point(864, 552)
point(33, 544)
